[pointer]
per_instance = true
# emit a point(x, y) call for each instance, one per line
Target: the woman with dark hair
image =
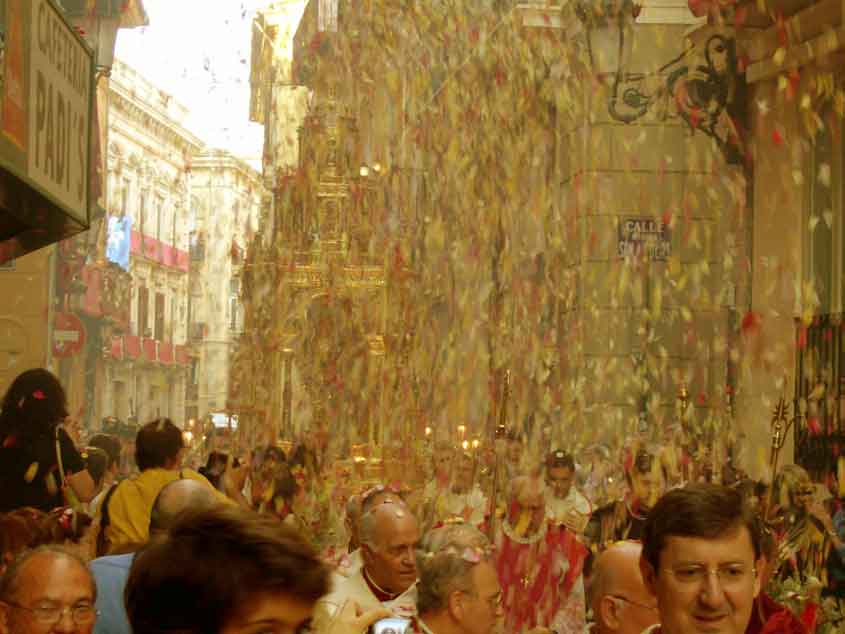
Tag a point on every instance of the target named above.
point(32, 443)
point(230, 571)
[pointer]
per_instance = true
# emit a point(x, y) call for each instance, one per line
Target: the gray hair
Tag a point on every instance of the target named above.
point(445, 560)
point(11, 577)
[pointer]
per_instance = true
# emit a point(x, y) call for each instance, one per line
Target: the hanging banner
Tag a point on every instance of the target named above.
point(60, 89)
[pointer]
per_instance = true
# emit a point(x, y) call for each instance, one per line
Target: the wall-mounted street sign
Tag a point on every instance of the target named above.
point(644, 237)
point(46, 107)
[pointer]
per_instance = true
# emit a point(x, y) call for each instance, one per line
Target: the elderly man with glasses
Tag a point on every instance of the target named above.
point(620, 601)
point(458, 590)
point(47, 590)
point(701, 549)
point(389, 535)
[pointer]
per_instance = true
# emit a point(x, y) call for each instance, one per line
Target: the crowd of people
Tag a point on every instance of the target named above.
point(269, 541)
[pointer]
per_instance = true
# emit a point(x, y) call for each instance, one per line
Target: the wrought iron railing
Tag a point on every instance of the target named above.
point(820, 394)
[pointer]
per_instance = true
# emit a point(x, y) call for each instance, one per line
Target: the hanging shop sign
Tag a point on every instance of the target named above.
point(60, 89)
point(644, 237)
point(68, 335)
point(45, 123)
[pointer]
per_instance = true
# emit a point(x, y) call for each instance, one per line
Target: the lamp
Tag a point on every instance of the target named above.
point(609, 33)
point(98, 23)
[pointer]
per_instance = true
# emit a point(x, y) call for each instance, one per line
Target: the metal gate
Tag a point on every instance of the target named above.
point(820, 394)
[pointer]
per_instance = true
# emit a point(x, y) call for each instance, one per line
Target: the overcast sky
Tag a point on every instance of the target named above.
point(199, 52)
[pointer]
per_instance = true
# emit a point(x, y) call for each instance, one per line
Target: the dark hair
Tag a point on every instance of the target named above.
point(220, 559)
point(96, 463)
point(274, 452)
point(20, 529)
point(215, 466)
point(697, 510)
point(157, 443)
point(65, 524)
point(34, 404)
point(560, 460)
point(110, 444)
point(285, 485)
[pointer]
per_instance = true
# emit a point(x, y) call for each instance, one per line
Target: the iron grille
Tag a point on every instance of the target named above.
point(820, 394)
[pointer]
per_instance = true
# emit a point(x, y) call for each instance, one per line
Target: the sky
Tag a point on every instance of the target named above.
point(199, 52)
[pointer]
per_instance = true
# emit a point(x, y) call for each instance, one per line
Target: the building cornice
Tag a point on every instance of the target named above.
point(150, 119)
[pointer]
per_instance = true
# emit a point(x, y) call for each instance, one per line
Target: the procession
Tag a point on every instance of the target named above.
point(434, 317)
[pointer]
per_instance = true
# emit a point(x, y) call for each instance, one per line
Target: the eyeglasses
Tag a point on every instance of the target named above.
point(650, 608)
point(52, 614)
point(730, 576)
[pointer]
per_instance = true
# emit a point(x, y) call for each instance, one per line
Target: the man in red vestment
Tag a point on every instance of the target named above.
point(540, 565)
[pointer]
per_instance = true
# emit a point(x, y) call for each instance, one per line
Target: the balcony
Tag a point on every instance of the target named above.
point(156, 251)
point(148, 350)
point(165, 353)
point(132, 346)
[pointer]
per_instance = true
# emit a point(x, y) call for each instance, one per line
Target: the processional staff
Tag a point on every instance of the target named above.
point(498, 432)
point(781, 424)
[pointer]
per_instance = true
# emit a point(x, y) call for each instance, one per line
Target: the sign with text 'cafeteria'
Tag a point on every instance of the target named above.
point(60, 92)
point(644, 237)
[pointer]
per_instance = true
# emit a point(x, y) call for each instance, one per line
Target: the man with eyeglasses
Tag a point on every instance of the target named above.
point(47, 591)
point(389, 535)
point(701, 547)
point(621, 603)
point(459, 590)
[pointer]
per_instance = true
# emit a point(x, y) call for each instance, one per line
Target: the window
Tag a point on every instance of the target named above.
point(824, 263)
point(171, 327)
point(142, 212)
point(143, 308)
point(119, 407)
point(159, 324)
point(124, 197)
point(173, 229)
point(233, 313)
point(160, 219)
point(820, 359)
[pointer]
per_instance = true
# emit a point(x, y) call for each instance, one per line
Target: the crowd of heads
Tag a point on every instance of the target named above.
point(704, 555)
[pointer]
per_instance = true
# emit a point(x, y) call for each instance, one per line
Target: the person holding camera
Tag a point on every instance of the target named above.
point(389, 534)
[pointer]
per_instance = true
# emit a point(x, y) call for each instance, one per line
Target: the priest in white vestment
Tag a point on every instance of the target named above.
point(389, 535)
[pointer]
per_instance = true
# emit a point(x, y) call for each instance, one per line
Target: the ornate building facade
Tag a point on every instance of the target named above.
point(148, 367)
point(226, 198)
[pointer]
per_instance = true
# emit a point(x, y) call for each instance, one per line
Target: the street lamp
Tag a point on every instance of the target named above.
point(609, 33)
point(609, 28)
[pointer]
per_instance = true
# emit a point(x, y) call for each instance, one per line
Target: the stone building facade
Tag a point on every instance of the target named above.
point(149, 155)
point(226, 198)
point(616, 245)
